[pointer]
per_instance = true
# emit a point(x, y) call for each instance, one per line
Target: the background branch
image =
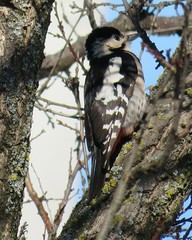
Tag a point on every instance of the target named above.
point(163, 26)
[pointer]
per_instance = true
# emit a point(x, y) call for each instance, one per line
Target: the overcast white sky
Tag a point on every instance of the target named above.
point(50, 153)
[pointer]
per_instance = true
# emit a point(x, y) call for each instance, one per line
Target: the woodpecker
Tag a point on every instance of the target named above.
point(115, 100)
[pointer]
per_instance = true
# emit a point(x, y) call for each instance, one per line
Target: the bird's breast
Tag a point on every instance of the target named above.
point(112, 74)
point(137, 104)
point(110, 92)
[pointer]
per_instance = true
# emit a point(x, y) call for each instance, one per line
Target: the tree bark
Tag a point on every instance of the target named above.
point(154, 196)
point(23, 28)
point(160, 179)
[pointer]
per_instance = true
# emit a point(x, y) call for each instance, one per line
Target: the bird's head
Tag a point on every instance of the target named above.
point(103, 41)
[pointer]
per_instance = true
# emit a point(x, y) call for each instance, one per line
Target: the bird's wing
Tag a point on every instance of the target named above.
point(102, 127)
point(105, 110)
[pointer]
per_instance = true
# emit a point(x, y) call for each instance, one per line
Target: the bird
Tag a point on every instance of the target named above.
point(114, 100)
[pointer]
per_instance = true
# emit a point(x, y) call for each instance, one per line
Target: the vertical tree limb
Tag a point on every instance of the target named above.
point(23, 28)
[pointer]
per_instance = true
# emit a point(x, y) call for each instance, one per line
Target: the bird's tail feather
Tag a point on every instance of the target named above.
point(97, 175)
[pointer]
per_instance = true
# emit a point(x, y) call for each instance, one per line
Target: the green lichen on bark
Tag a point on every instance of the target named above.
point(22, 37)
point(153, 196)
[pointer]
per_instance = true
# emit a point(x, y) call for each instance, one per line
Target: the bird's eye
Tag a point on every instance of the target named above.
point(116, 37)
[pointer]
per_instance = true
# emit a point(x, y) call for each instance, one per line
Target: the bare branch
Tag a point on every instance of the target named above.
point(43, 214)
point(89, 5)
point(67, 126)
point(61, 27)
point(163, 26)
point(42, 191)
point(60, 211)
point(38, 135)
point(41, 108)
point(133, 11)
point(49, 103)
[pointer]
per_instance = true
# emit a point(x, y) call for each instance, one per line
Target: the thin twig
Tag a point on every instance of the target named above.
point(119, 193)
point(49, 103)
point(38, 135)
point(133, 11)
point(56, 112)
point(67, 126)
point(44, 86)
point(43, 214)
point(60, 25)
point(129, 172)
point(42, 191)
point(60, 211)
point(89, 5)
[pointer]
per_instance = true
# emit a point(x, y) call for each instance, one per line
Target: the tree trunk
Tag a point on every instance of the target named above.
point(23, 28)
point(161, 176)
point(154, 195)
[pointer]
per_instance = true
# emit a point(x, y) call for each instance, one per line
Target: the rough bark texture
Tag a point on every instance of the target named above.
point(23, 27)
point(156, 191)
point(155, 197)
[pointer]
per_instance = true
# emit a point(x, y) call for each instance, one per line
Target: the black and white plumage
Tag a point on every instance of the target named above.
point(115, 99)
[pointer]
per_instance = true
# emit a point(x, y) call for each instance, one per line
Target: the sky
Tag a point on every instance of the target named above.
point(50, 153)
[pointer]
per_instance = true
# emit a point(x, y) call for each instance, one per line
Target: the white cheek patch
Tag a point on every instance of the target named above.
point(112, 43)
point(112, 74)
